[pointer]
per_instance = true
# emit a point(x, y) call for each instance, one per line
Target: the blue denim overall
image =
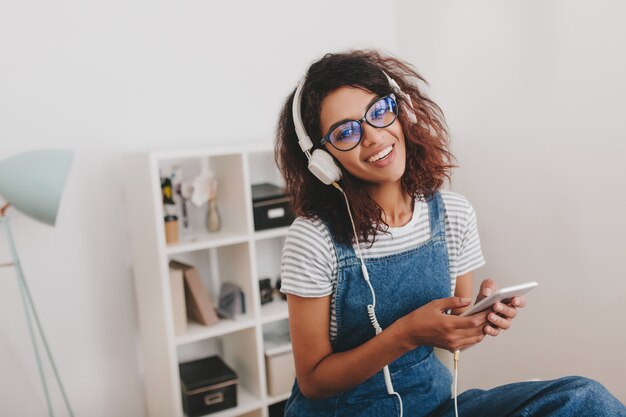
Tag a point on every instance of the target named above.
point(403, 282)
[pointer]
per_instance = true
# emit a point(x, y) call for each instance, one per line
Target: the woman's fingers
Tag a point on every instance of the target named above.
point(469, 322)
point(505, 311)
point(487, 287)
point(518, 302)
point(499, 321)
point(471, 330)
point(474, 328)
point(491, 331)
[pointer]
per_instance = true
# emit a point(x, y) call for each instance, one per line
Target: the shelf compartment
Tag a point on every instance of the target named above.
point(262, 168)
point(217, 266)
point(232, 204)
point(268, 254)
point(239, 351)
point(275, 311)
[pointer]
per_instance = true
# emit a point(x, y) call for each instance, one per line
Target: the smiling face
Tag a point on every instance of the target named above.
point(380, 158)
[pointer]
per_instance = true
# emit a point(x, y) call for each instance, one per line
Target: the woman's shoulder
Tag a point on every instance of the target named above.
point(312, 229)
point(307, 262)
point(313, 223)
point(457, 206)
point(454, 199)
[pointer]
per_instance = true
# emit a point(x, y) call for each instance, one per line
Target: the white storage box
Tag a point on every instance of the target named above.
point(280, 368)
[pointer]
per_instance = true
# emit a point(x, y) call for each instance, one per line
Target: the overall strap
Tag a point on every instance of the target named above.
point(437, 216)
point(344, 251)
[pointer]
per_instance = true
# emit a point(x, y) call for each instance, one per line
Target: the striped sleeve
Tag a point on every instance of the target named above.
point(470, 253)
point(308, 262)
point(461, 235)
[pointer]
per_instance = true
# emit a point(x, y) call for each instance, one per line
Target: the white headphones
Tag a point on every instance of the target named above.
point(321, 163)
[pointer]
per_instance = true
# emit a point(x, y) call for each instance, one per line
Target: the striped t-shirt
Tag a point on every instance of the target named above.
point(309, 261)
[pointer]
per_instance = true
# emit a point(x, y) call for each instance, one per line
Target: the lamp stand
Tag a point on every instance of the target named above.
point(32, 318)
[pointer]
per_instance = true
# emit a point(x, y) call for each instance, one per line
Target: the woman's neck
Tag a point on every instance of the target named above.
point(396, 204)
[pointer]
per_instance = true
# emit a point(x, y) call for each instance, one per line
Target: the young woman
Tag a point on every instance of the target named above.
point(371, 262)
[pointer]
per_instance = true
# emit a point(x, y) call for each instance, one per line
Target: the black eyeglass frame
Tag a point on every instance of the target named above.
point(326, 138)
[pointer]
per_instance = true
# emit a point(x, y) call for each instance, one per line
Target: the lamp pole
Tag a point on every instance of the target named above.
point(31, 312)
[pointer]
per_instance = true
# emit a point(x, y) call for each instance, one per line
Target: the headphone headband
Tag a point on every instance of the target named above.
point(303, 138)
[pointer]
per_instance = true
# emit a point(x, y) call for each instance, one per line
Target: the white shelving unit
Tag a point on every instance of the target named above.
point(237, 253)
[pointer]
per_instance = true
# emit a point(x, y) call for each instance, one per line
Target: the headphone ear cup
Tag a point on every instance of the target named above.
point(323, 166)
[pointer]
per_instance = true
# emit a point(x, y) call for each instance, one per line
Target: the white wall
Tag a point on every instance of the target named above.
point(108, 77)
point(534, 95)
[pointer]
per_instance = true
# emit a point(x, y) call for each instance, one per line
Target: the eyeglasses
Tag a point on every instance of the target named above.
point(347, 134)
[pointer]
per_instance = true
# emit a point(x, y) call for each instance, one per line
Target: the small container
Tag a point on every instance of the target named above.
point(281, 371)
point(271, 207)
point(208, 385)
point(171, 229)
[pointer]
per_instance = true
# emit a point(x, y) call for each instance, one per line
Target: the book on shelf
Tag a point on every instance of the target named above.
point(177, 290)
point(198, 302)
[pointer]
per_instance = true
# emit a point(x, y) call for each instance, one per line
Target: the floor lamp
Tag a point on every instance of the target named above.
point(33, 183)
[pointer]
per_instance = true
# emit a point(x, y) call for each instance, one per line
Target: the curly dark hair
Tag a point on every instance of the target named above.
point(428, 159)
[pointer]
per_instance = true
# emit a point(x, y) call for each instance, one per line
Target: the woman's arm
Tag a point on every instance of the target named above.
point(322, 373)
point(463, 289)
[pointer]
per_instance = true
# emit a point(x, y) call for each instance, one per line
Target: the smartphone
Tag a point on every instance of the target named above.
point(503, 294)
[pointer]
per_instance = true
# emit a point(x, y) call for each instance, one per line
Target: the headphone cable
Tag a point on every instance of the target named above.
point(456, 380)
point(371, 308)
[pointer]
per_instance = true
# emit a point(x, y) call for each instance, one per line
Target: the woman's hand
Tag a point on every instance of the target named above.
point(431, 325)
point(501, 314)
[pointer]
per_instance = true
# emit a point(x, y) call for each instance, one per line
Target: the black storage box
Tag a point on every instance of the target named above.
point(208, 385)
point(271, 207)
point(278, 409)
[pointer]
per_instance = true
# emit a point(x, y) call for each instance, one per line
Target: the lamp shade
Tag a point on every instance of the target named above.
point(33, 182)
